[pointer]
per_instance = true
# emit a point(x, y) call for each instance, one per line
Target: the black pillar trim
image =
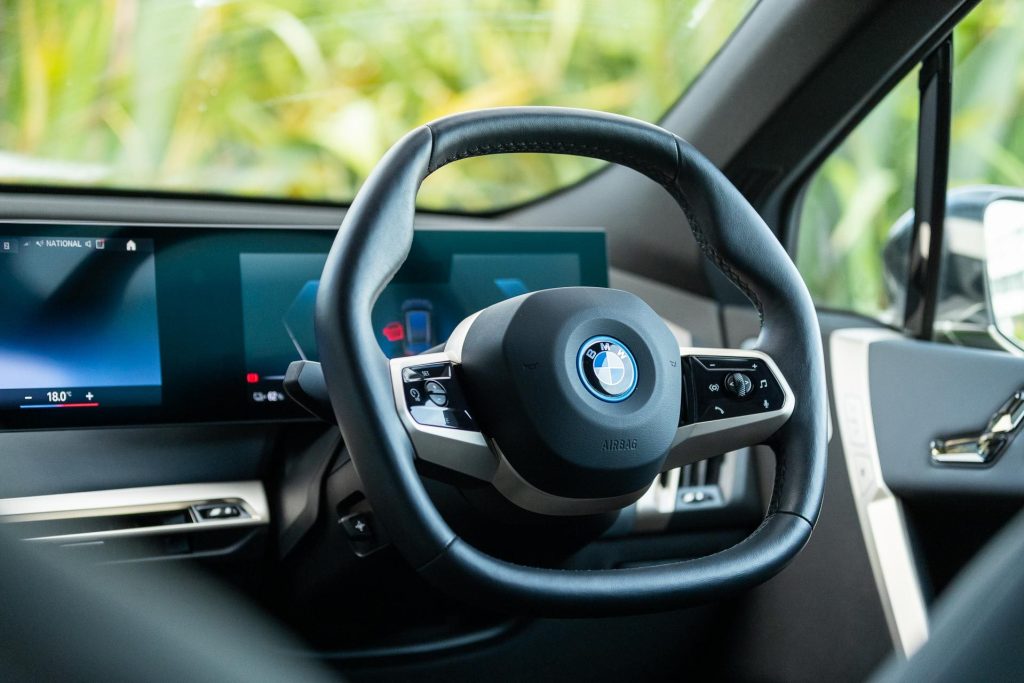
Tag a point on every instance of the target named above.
point(935, 111)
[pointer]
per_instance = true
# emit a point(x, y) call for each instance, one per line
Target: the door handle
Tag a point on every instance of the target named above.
point(989, 445)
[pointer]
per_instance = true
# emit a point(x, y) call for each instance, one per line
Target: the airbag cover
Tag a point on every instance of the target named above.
point(580, 388)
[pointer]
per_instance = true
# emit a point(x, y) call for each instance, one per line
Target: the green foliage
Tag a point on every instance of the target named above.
point(868, 182)
point(300, 98)
point(853, 201)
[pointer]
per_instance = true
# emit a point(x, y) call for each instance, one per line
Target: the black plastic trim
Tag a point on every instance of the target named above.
point(932, 174)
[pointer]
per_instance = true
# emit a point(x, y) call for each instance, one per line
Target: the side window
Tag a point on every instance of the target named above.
point(853, 201)
point(865, 189)
point(986, 160)
point(987, 145)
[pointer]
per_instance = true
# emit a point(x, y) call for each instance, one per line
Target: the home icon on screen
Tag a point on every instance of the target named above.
point(130, 246)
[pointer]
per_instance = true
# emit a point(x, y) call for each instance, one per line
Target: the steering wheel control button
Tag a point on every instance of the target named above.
point(607, 369)
point(435, 371)
point(362, 532)
point(415, 395)
point(733, 363)
point(738, 384)
point(358, 527)
point(420, 373)
point(717, 410)
point(436, 393)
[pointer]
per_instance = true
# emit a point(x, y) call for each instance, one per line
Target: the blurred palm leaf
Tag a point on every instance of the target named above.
point(300, 98)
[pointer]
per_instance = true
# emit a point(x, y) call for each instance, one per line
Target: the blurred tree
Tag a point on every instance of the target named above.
point(863, 187)
point(300, 98)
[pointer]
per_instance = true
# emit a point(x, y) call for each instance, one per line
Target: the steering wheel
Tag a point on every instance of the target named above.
point(571, 401)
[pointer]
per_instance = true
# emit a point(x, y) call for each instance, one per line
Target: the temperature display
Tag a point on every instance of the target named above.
point(78, 323)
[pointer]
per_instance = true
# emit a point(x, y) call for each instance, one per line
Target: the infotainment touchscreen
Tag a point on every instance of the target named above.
point(80, 327)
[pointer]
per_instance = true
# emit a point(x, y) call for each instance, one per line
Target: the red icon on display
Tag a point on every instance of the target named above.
point(252, 378)
point(394, 332)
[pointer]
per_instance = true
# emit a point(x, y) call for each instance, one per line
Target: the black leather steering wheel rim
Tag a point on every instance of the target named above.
point(374, 241)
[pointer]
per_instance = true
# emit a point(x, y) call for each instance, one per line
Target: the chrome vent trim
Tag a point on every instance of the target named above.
point(248, 495)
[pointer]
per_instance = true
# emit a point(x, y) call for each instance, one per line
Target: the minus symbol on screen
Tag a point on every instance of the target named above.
point(28, 398)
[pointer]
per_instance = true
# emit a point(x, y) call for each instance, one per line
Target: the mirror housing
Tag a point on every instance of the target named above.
point(965, 311)
point(1004, 266)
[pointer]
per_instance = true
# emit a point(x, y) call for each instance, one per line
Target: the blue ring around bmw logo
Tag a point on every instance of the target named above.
point(607, 369)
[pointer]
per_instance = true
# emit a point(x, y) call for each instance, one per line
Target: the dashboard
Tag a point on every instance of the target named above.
point(105, 324)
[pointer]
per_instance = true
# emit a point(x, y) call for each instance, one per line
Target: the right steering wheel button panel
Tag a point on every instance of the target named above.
point(720, 387)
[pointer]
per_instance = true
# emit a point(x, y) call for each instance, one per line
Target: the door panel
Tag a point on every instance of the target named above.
point(892, 397)
point(922, 391)
point(880, 514)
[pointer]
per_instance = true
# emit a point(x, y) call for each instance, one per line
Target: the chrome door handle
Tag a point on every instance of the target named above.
point(983, 449)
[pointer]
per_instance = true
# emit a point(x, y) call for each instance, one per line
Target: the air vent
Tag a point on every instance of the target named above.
point(698, 483)
point(143, 522)
point(707, 485)
point(99, 524)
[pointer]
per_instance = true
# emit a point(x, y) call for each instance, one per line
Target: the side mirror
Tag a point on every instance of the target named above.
point(981, 279)
point(1004, 266)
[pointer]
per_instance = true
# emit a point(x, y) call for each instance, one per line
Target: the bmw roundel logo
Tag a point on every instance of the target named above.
point(607, 368)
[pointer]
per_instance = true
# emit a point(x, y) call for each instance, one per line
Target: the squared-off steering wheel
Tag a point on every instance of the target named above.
point(570, 401)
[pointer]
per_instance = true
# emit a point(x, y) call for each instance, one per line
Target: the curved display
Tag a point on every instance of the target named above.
point(106, 325)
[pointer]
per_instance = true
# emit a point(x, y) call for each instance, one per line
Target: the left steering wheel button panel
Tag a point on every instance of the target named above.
point(434, 399)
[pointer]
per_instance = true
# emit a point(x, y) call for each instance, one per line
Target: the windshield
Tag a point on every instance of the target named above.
point(299, 99)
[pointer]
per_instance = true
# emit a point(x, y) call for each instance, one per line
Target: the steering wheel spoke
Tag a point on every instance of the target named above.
point(433, 407)
point(732, 399)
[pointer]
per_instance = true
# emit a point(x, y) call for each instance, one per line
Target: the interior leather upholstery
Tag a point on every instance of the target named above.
point(374, 241)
